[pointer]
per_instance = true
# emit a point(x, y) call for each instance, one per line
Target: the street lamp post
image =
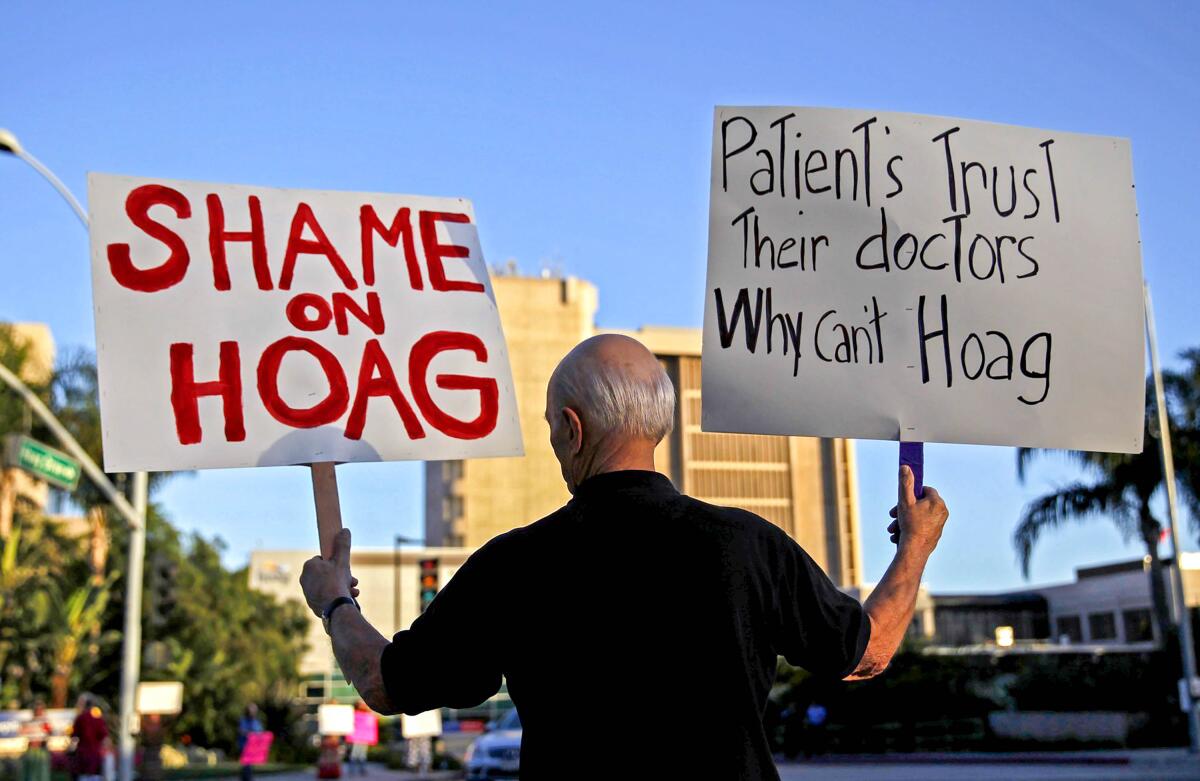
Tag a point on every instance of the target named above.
point(135, 514)
point(396, 590)
point(1179, 596)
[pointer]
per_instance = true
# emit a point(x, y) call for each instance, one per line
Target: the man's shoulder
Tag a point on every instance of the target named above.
point(729, 522)
point(530, 534)
point(737, 518)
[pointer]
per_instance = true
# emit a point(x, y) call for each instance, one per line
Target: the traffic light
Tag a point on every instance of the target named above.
point(429, 581)
point(160, 589)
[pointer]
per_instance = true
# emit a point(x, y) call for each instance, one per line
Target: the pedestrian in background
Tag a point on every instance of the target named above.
point(248, 724)
point(814, 728)
point(152, 743)
point(35, 763)
point(366, 734)
point(90, 732)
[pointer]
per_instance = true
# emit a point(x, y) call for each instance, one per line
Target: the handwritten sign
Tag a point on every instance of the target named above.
point(251, 326)
point(423, 725)
point(886, 276)
point(335, 719)
point(257, 748)
point(366, 728)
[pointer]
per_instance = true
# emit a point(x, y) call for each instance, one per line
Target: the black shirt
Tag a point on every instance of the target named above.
point(634, 620)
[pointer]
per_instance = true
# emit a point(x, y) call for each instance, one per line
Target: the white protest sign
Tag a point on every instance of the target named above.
point(424, 725)
point(884, 276)
point(251, 326)
point(164, 697)
point(334, 719)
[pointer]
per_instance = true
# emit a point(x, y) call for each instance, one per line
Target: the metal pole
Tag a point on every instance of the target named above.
point(396, 584)
point(132, 649)
point(1187, 650)
point(49, 176)
point(133, 515)
point(397, 571)
point(69, 444)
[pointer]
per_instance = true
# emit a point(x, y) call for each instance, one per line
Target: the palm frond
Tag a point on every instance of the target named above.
point(1071, 504)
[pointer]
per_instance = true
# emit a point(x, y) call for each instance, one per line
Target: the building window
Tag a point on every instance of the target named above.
point(1138, 625)
point(1069, 627)
point(452, 507)
point(1102, 626)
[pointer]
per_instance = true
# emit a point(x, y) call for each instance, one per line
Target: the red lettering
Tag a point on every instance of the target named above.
point(297, 312)
point(218, 237)
point(172, 270)
point(372, 317)
point(186, 392)
point(376, 378)
point(329, 409)
point(436, 253)
point(423, 352)
point(370, 224)
point(320, 245)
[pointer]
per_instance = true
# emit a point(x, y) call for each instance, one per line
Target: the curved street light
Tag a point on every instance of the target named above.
point(134, 515)
point(9, 143)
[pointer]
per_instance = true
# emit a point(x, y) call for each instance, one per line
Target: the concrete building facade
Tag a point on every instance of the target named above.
point(17, 486)
point(389, 581)
point(805, 486)
point(1108, 607)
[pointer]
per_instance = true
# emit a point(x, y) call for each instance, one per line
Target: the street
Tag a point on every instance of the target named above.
point(1149, 765)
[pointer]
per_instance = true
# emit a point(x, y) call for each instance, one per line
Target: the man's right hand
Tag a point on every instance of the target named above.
point(919, 522)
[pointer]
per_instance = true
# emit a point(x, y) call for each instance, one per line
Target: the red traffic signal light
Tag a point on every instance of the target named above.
point(428, 580)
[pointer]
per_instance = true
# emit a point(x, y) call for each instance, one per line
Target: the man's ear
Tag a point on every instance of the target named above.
point(575, 429)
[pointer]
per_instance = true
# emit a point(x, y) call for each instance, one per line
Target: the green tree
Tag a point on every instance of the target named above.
point(61, 619)
point(14, 354)
point(51, 615)
point(1118, 487)
point(227, 642)
point(1183, 398)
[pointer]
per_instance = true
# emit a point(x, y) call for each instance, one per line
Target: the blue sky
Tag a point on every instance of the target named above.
point(581, 133)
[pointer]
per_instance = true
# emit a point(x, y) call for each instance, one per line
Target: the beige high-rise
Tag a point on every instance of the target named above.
point(16, 485)
point(805, 486)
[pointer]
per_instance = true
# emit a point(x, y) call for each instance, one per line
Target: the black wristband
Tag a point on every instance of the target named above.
point(335, 604)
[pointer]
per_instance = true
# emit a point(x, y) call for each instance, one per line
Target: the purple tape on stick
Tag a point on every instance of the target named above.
point(913, 454)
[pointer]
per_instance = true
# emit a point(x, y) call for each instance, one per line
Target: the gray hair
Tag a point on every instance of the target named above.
point(613, 401)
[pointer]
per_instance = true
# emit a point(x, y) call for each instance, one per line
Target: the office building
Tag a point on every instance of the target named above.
point(805, 486)
point(37, 367)
point(388, 579)
point(1108, 607)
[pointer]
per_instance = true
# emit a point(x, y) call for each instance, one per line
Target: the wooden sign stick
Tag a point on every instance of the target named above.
point(329, 508)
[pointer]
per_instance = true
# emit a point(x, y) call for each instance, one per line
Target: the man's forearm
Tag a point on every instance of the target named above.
point(358, 647)
point(890, 610)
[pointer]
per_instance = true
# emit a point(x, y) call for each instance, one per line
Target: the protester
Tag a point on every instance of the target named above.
point(814, 729)
point(35, 763)
point(248, 724)
point(151, 737)
point(366, 730)
point(632, 589)
point(329, 758)
point(90, 733)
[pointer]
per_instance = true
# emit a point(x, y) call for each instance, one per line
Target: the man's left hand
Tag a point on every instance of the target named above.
point(324, 580)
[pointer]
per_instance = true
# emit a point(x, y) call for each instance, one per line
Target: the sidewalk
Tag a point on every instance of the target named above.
point(1147, 758)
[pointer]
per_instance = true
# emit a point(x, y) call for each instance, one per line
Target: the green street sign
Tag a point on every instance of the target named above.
point(41, 461)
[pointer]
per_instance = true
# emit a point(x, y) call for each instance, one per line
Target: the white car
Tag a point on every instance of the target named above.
point(496, 753)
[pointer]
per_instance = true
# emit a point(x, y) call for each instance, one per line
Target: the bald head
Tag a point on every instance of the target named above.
point(617, 386)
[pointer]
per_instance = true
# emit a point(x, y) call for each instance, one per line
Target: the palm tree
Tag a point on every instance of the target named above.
point(78, 624)
point(1119, 487)
point(1183, 397)
point(74, 399)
